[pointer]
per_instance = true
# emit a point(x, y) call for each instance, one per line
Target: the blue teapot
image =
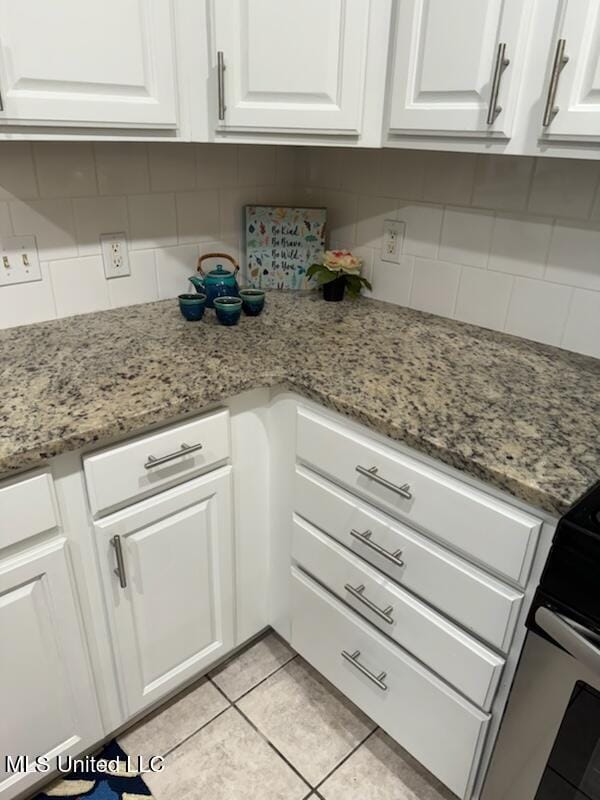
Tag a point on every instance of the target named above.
point(218, 282)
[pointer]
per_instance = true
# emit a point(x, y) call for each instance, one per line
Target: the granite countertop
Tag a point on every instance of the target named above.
point(521, 416)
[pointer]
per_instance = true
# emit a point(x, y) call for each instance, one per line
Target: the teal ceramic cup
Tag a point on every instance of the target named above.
point(228, 309)
point(192, 306)
point(253, 301)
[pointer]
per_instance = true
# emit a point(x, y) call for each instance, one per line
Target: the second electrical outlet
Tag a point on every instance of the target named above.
point(392, 240)
point(114, 254)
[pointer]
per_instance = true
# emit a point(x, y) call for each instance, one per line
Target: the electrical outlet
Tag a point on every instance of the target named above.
point(392, 240)
point(19, 260)
point(114, 255)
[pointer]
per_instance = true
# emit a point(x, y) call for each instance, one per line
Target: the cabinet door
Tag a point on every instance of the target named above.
point(293, 66)
point(573, 98)
point(171, 597)
point(84, 63)
point(47, 696)
point(448, 59)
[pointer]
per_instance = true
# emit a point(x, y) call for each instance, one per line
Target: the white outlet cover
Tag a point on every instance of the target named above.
point(115, 256)
point(19, 260)
point(392, 240)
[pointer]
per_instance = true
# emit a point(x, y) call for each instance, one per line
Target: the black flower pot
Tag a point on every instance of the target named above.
point(334, 290)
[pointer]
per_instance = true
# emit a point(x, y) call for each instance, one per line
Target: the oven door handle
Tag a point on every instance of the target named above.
point(567, 634)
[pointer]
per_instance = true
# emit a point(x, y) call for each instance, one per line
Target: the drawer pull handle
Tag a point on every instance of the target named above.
point(120, 570)
point(352, 658)
point(358, 592)
point(365, 538)
point(183, 451)
point(373, 473)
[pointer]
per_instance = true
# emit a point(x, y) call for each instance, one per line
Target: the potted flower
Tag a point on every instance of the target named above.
point(339, 270)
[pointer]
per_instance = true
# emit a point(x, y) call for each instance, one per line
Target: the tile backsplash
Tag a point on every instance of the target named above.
point(509, 243)
point(174, 202)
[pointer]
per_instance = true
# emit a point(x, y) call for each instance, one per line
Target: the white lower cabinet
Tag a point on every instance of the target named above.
point(47, 696)
point(432, 721)
point(167, 570)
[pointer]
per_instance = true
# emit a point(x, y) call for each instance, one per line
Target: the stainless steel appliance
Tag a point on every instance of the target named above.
point(549, 742)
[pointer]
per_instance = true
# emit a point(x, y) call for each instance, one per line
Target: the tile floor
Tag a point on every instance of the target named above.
point(266, 725)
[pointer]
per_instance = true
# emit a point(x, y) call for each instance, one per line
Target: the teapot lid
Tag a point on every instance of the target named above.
point(219, 272)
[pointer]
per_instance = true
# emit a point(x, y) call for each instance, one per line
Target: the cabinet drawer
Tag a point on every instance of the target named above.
point(491, 532)
point(453, 655)
point(434, 723)
point(475, 600)
point(27, 507)
point(150, 463)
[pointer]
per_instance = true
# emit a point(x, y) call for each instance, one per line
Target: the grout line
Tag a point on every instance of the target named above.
point(147, 160)
point(35, 170)
point(510, 297)
point(272, 746)
point(478, 159)
point(219, 690)
point(457, 292)
point(204, 725)
point(595, 197)
point(242, 649)
point(349, 755)
point(256, 685)
point(549, 248)
point(266, 678)
point(531, 182)
point(567, 317)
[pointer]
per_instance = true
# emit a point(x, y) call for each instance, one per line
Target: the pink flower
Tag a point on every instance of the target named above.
point(341, 261)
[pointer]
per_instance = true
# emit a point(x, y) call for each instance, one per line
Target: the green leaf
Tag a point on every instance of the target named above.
point(326, 277)
point(355, 283)
point(314, 269)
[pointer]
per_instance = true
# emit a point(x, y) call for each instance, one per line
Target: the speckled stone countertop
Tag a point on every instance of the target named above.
point(521, 416)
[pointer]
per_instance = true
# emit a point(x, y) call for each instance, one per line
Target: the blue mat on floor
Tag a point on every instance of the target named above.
point(98, 785)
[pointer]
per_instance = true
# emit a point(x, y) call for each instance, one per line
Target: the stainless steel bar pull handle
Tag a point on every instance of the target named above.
point(501, 64)
point(560, 60)
point(365, 538)
point(221, 84)
point(358, 592)
point(373, 473)
point(183, 451)
point(352, 658)
point(120, 570)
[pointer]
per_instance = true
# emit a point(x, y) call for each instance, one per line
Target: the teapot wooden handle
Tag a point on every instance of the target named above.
point(217, 255)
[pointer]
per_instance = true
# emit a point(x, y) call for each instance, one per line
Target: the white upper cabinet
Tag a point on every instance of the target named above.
point(108, 64)
point(455, 67)
point(292, 66)
point(572, 103)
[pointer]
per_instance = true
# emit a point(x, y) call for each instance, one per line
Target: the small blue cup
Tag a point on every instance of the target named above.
point(192, 306)
point(228, 309)
point(253, 301)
